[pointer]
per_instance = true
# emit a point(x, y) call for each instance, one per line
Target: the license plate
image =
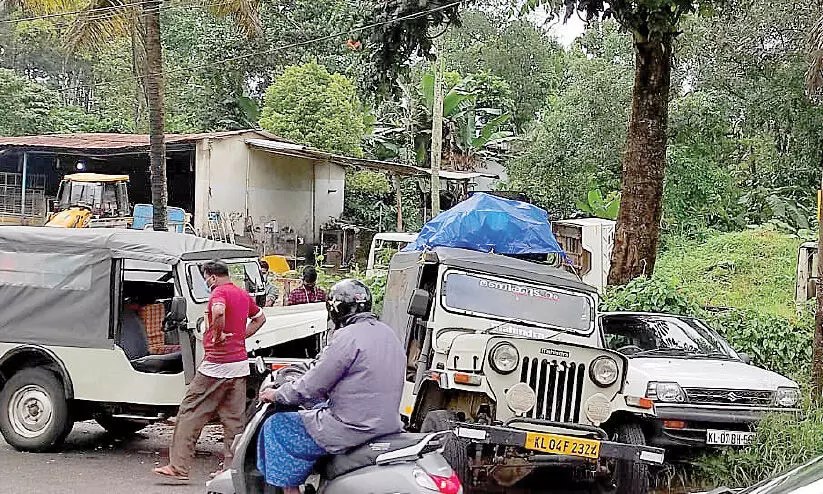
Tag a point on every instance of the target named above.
point(728, 438)
point(562, 445)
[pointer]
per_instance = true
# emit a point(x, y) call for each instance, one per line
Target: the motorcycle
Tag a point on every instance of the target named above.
point(398, 463)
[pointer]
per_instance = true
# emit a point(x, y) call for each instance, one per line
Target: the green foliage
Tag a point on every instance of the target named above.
point(578, 143)
point(514, 50)
point(753, 269)
point(778, 343)
point(600, 207)
point(649, 295)
point(783, 442)
point(26, 105)
point(376, 284)
point(310, 105)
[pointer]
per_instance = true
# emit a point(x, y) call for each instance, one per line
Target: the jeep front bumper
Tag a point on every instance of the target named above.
point(553, 448)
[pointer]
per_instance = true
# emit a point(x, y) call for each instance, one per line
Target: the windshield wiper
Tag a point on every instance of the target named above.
point(664, 351)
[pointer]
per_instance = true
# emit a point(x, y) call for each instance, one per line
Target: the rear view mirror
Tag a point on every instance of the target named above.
point(419, 303)
point(177, 310)
point(744, 357)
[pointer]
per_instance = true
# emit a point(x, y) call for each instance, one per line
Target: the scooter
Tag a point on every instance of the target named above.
point(398, 463)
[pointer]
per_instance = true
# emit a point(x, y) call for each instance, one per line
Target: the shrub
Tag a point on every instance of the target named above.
point(776, 343)
point(782, 442)
point(649, 295)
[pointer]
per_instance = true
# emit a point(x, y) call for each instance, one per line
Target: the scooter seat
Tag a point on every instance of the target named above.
point(171, 363)
point(366, 455)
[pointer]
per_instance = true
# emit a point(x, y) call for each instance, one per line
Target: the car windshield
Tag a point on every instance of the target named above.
point(515, 301)
point(80, 194)
point(245, 275)
point(649, 335)
point(806, 479)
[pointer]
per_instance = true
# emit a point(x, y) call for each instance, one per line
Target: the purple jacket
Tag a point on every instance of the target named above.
point(361, 374)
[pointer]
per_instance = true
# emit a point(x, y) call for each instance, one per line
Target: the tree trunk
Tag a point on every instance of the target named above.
point(154, 100)
point(644, 165)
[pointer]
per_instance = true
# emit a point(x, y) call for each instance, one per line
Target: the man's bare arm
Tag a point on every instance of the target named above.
point(255, 324)
point(218, 322)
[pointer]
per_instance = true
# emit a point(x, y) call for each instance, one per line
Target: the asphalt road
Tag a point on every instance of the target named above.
point(92, 462)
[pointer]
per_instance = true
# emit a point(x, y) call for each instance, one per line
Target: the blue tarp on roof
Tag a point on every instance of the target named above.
point(488, 223)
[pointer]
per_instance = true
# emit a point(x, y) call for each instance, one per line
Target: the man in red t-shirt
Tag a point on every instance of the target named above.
point(219, 387)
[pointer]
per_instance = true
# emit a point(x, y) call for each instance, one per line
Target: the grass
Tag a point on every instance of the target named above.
point(752, 269)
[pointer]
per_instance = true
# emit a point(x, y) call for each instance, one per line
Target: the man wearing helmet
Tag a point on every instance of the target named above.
point(357, 381)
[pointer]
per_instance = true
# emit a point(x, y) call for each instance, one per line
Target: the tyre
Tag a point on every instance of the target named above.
point(631, 477)
point(120, 427)
point(456, 450)
point(34, 412)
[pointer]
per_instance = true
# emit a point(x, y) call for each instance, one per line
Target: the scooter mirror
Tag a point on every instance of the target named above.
point(259, 365)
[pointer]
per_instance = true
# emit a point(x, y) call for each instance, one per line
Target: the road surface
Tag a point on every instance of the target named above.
point(92, 462)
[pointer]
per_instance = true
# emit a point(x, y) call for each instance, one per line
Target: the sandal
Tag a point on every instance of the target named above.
point(170, 473)
point(215, 473)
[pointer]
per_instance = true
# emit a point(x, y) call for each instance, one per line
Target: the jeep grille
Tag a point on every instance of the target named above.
point(559, 388)
point(729, 397)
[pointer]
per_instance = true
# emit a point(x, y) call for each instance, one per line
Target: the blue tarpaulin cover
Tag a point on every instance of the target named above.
point(489, 223)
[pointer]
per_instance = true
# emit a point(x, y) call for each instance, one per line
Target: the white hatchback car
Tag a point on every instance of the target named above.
point(705, 393)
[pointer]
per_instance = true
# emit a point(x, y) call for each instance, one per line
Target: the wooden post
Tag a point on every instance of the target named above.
point(437, 133)
point(23, 189)
point(399, 194)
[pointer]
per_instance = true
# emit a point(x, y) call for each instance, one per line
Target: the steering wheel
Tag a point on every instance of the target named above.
point(629, 349)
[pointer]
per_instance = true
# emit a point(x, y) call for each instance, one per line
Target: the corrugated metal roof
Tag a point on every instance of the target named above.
point(300, 151)
point(101, 142)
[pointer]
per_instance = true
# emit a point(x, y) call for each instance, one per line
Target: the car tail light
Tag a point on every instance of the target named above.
point(436, 483)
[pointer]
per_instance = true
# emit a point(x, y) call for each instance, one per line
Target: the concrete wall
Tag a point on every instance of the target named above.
point(247, 184)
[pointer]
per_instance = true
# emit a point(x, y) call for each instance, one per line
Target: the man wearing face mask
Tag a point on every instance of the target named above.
point(219, 387)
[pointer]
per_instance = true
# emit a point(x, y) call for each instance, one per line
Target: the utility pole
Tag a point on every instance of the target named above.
point(817, 342)
point(437, 132)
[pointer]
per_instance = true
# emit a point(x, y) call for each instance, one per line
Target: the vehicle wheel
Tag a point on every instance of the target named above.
point(34, 412)
point(631, 477)
point(456, 450)
point(120, 427)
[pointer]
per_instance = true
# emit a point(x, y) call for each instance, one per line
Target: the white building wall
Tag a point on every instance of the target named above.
point(247, 184)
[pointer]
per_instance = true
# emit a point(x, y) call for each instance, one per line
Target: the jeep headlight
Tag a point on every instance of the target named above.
point(504, 358)
point(786, 397)
point(666, 392)
point(604, 371)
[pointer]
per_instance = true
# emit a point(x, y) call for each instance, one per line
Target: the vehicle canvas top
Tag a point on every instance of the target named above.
point(114, 243)
point(497, 265)
point(56, 284)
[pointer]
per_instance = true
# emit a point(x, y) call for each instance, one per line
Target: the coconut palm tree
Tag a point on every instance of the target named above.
point(814, 85)
point(98, 21)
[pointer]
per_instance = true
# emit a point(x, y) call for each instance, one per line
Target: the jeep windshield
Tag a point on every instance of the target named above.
point(244, 274)
point(647, 335)
point(516, 301)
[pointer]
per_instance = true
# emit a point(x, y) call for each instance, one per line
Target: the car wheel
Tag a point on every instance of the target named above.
point(631, 477)
point(120, 427)
point(34, 412)
point(456, 450)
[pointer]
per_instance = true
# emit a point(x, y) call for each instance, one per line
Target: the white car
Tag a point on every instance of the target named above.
point(704, 392)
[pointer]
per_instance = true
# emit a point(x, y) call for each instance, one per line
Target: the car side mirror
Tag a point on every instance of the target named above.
point(744, 357)
point(177, 310)
point(419, 303)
